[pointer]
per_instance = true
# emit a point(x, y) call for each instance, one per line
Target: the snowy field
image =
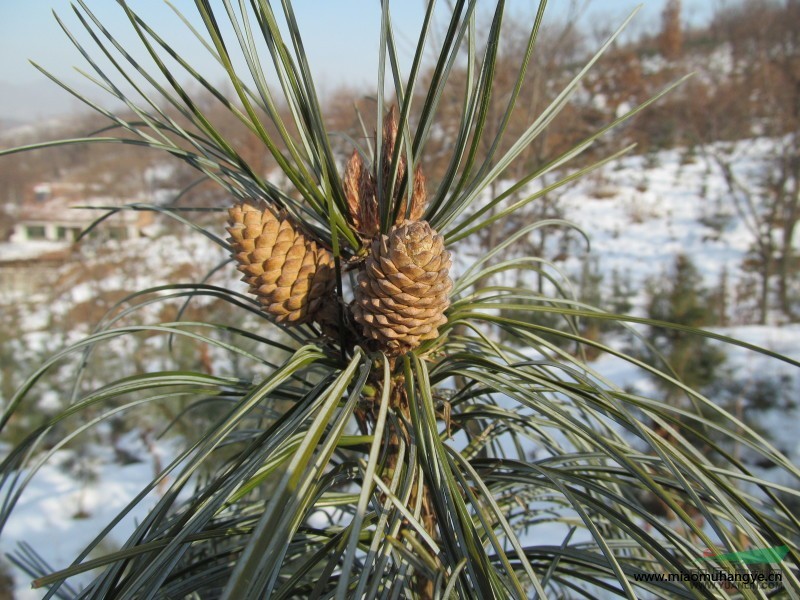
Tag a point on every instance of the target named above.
point(69, 502)
point(639, 213)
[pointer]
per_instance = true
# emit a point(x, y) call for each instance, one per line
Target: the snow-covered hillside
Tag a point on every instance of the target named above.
point(643, 210)
point(639, 212)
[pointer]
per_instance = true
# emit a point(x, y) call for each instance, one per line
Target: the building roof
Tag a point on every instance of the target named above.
point(58, 202)
point(58, 211)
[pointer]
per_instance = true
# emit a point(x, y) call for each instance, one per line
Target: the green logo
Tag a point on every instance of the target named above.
point(750, 557)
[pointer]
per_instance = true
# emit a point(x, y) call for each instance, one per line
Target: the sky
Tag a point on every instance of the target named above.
point(341, 36)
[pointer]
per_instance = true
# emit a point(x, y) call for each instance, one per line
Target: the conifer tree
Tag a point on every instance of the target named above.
point(680, 298)
point(670, 39)
point(385, 441)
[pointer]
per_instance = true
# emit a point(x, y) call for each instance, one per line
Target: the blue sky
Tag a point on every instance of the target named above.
point(341, 35)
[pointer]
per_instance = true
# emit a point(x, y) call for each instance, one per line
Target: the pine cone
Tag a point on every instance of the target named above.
point(288, 273)
point(403, 290)
point(360, 185)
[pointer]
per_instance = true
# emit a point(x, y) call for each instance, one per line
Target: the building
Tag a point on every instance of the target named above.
point(52, 214)
point(46, 227)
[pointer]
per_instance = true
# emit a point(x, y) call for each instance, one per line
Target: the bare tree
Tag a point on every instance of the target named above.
point(764, 84)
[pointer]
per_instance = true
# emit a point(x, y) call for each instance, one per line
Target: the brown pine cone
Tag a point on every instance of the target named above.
point(404, 288)
point(360, 185)
point(288, 273)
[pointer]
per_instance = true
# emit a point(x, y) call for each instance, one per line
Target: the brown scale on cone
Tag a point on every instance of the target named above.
point(290, 274)
point(403, 289)
point(360, 185)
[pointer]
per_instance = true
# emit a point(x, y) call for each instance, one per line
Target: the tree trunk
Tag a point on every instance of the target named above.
point(786, 264)
point(763, 300)
point(766, 256)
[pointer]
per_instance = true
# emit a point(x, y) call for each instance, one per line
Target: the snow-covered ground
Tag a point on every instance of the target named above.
point(639, 213)
point(73, 498)
point(29, 249)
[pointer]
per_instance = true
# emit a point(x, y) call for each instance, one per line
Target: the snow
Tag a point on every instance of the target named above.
point(69, 501)
point(655, 214)
point(29, 249)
